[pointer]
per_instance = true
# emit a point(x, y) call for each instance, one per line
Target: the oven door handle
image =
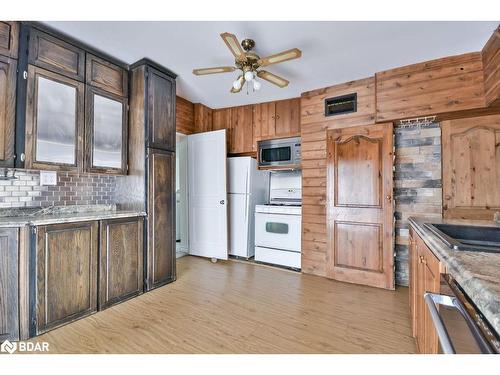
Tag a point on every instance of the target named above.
point(432, 300)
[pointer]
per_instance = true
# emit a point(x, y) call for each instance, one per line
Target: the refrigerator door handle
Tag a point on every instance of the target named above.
point(246, 207)
point(246, 181)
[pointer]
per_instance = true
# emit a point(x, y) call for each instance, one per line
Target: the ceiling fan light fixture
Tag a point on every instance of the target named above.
point(249, 75)
point(238, 83)
point(256, 85)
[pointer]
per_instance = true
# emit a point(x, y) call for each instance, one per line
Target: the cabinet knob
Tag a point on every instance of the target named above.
point(389, 198)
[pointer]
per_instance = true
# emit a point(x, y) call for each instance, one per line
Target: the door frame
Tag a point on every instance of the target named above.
point(181, 156)
point(387, 280)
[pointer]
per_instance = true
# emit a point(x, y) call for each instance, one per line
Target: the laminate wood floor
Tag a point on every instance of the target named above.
point(237, 307)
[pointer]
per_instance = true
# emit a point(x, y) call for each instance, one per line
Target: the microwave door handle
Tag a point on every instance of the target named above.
point(432, 299)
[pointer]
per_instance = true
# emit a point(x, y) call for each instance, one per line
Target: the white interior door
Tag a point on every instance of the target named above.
point(207, 194)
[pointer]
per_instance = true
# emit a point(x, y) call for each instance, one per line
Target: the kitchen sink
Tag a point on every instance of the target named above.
point(466, 237)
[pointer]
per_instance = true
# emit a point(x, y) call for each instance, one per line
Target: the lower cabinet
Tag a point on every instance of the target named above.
point(161, 218)
point(9, 291)
point(120, 260)
point(425, 273)
point(77, 268)
point(66, 260)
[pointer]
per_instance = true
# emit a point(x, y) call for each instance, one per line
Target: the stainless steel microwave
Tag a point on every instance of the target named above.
point(285, 152)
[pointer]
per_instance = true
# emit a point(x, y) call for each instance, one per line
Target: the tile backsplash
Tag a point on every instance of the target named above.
point(72, 189)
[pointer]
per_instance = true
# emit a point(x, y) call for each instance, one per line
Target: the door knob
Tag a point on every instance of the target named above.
point(389, 198)
point(222, 201)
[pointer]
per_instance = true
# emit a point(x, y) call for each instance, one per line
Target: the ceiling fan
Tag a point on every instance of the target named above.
point(250, 63)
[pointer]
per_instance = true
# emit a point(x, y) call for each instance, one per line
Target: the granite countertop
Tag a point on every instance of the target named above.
point(19, 217)
point(478, 273)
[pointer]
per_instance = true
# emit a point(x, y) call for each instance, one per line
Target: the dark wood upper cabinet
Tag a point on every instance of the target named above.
point(106, 76)
point(9, 38)
point(161, 218)
point(66, 274)
point(106, 120)
point(161, 110)
point(56, 55)
point(9, 292)
point(121, 260)
point(8, 68)
point(54, 121)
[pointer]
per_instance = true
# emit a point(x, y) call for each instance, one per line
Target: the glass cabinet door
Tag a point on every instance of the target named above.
point(54, 121)
point(106, 132)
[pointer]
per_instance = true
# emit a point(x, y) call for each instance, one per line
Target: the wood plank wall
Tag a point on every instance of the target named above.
point(313, 131)
point(202, 118)
point(184, 116)
point(491, 64)
point(450, 84)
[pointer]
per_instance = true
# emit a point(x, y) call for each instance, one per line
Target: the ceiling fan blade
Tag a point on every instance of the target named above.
point(273, 78)
point(214, 70)
point(234, 46)
point(290, 54)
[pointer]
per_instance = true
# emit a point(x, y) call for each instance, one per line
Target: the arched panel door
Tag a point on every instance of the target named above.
point(360, 207)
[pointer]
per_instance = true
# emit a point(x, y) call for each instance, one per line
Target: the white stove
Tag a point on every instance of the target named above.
point(278, 233)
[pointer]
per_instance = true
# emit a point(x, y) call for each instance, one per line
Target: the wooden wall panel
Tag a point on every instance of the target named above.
point(184, 116)
point(491, 64)
point(202, 118)
point(471, 167)
point(314, 126)
point(450, 84)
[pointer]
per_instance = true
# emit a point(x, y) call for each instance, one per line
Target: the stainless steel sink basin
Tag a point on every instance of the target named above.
point(469, 238)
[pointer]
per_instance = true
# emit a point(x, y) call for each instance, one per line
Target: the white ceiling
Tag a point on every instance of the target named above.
point(332, 52)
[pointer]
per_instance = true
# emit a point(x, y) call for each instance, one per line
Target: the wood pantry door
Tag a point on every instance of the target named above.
point(360, 221)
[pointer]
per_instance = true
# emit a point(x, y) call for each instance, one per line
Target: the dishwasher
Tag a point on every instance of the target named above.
point(460, 326)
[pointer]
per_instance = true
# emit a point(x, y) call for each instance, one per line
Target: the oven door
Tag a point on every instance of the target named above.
point(457, 330)
point(278, 231)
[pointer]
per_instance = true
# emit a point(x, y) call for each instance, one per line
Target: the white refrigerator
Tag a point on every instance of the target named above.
point(247, 186)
